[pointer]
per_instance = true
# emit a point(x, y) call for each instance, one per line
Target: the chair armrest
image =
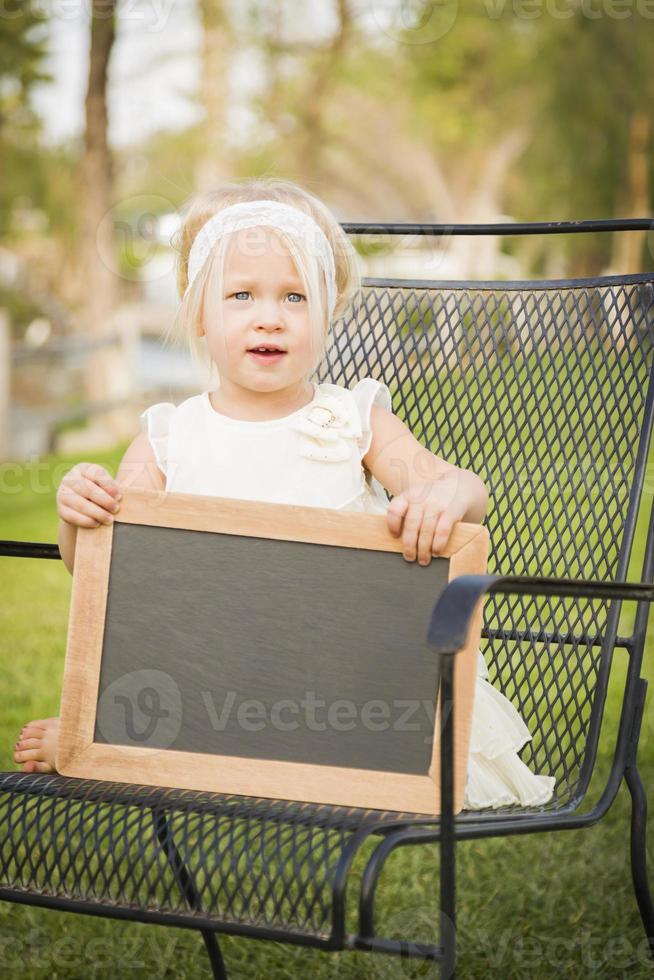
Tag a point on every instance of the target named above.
point(454, 608)
point(29, 549)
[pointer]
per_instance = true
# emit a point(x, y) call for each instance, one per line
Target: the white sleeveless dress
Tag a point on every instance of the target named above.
point(313, 458)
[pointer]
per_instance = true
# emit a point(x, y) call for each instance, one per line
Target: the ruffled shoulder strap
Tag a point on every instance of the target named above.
point(367, 392)
point(155, 421)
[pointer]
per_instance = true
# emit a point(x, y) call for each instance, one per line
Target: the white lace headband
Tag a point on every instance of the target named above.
point(249, 214)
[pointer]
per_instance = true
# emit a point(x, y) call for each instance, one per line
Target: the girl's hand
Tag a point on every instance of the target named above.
point(429, 512)
point(87, 496)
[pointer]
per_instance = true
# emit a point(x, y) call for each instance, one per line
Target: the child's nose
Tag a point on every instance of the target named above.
point(270, 319)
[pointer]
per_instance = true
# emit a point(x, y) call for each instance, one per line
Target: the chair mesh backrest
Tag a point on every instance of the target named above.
point(540, 388)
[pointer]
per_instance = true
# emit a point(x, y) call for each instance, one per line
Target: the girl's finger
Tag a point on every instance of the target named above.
point(412, 523)
point(74, 518)
point(86, 508)
point(442, 535)
point(98, 475)
point(426, 536)
point(92, 491)
point(92, 481)
point(395, 513)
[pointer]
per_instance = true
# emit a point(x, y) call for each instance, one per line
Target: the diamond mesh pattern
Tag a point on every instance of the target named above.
point(539, 388)
point(264, 863)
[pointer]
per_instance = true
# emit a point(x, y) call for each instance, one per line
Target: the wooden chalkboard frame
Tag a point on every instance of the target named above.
point(78, 755)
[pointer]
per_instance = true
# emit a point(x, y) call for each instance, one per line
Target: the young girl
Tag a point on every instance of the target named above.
point(264, 268)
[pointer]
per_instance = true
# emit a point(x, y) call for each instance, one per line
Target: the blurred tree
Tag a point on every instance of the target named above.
point(329, 114)
point(323, 71)
point(387, 120)
point(300, 70)
point(468, 78)
point(415, 110)
point(592, 151)
point(540, 112)
point(105, 371)
point(37, 190)
point(23, 48)
point(214, 164)
point(96, 170)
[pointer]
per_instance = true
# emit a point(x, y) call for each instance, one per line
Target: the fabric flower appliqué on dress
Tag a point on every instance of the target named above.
point(327, 429)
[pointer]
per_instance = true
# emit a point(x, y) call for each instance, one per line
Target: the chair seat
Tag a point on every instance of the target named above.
point(265, 864)
point(261, 863)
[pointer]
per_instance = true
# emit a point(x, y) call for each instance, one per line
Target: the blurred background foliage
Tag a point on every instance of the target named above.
point(390, 110)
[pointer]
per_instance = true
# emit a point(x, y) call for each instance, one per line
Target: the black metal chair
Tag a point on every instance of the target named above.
point(544, 389)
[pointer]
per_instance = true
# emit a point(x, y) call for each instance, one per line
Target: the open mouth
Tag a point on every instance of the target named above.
point(267, 353)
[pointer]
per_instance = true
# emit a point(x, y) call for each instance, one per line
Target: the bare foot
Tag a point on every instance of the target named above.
point(36, 745)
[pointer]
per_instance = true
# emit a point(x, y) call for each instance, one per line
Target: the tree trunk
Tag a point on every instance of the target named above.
point(5, 383)
point(271, 46)
point(628, 245)
point(96, 170)
point(214, 166)
point(478, 256)
point(311, 123)
point(99, 267)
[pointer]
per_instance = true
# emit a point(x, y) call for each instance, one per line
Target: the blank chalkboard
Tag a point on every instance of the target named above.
point(263, 649)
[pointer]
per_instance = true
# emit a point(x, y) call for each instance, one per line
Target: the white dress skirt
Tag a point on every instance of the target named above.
point(313, 457)
point(497, 776)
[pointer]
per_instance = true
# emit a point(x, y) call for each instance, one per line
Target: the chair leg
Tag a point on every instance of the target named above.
point(215, 956)
point(185, 881)
point(639, 851)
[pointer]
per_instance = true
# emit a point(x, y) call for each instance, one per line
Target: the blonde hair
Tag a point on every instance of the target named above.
point(184, 331)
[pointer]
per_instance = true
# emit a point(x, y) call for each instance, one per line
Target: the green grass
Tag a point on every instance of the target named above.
point(537, 906)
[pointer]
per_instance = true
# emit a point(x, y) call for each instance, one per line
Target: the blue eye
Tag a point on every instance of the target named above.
point(246, 292)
